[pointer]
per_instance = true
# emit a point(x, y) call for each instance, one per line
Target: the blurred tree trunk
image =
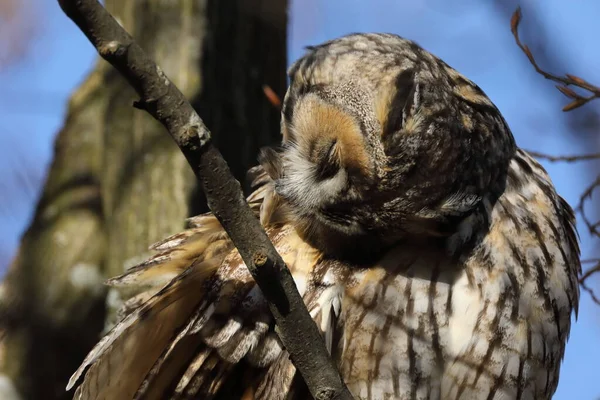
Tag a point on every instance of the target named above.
point(118, 183)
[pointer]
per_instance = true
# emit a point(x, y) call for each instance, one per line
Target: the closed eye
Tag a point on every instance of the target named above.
point(338, 216)
point(329, 165)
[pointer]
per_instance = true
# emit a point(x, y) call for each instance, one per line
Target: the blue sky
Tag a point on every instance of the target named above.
point(469, 36)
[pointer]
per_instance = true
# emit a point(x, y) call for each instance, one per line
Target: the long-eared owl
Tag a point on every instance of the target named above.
point(434, 255)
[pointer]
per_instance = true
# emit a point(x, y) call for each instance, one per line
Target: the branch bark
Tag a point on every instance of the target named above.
point(167, 104)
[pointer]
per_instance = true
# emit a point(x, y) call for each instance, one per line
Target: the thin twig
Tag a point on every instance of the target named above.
point(564, 81)
point(572, 158)
point(161, 98)
point(590, 261)
point(587, 274)
point(590, 272)
point(593, 229)
point(585, 287)
point(585, 196)
point(578, 101)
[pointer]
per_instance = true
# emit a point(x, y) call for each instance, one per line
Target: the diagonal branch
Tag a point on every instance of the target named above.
point(160, 98)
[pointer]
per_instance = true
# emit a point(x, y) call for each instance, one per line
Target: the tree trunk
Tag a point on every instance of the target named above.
point(118, 183)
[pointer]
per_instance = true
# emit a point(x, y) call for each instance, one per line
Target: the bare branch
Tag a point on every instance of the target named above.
point(590, 272)
point(593, 229)
point(585, 196)
point(578, 101)
point(585, 287)
point(160, 98)
point(587, 274)
point(564, 81)
point(573, 158)
point(580, 209)
point(590, 261)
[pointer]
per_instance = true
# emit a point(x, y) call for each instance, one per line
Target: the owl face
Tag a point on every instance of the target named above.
point(327, 168)
point(381, 140)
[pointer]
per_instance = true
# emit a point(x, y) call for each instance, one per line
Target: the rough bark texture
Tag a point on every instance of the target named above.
point(119, 183)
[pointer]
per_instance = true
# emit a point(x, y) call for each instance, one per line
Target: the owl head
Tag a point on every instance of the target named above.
point(384, 141)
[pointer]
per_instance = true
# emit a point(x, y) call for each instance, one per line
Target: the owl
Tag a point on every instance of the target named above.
point(434, 255)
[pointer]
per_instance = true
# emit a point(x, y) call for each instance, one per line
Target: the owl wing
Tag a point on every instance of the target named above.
point(208, 317)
